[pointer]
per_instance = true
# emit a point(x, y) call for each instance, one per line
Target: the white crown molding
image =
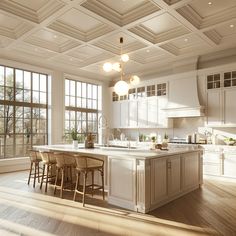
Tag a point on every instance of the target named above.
point(78, 34)
point(201, 23)
point(120, 19)
point(214, 36)
point(24, 12)
point(144, 32)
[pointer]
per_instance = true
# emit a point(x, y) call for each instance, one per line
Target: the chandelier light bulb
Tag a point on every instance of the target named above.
point(134, 80)
point(116, 66)
point(107, 67)
point(124, 57)
point(121, 88)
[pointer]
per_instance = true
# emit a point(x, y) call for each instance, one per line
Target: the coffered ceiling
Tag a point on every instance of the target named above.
point(78, 36)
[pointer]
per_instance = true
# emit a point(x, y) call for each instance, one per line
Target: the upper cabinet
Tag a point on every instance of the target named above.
point(221, 97)
point(141, 108)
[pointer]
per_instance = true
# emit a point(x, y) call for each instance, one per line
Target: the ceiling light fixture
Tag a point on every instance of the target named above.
point(232, 26)
point(209, 3)
point(185, 40)
point(121, 87)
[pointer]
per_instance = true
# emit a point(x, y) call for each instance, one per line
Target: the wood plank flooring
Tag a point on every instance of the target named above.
point(24, 210)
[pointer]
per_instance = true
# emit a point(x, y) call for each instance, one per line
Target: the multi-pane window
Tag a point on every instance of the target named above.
point(23, 111)
point(115, 97)
point(132, 94)
point(83, 104)
point(213, 81)
point(151, 90)
point(230, 79)
point(141, 92)
point(161, 89)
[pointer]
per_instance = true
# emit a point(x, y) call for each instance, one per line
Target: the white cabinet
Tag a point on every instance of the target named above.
point(142, 113)
point(221, 107)
point(165, 178)
point(229, 164)
point(174, 177)
point(230, 106)
point(158, 180)
point(116, 115)
point(163, 121)
point(212, 162)
point(190, 170)
point(214, 114)
point(152, 112)
point(133, 113)
point(124, 114)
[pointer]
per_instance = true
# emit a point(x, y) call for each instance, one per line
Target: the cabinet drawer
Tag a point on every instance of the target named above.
point(212, 157)
point(211, 169)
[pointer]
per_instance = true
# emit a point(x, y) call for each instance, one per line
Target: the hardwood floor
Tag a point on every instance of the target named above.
point(210, 210)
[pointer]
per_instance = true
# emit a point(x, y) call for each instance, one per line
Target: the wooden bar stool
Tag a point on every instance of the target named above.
point(65, 164)
point(35, 159)
point(85, 165)
point(49, 161)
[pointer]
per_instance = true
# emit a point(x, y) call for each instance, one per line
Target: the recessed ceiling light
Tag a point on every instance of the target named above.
point(185, 40)
point(209, 3)
point(54, 36)
point(147, 50)
point(231, 26)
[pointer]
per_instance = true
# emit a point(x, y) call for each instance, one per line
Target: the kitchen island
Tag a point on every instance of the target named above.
point(142, 180)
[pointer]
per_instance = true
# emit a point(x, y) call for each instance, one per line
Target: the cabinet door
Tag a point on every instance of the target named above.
point(158, 180)
point(133, 114)
point(190, 167)
point(174, 177)
point(212, 163)
point(152, 112)
point(229, 167)
point(230, 106)
point(214, 116)
point(116, 115)
point(142, 113)
point(124, 114)
point(163, 121)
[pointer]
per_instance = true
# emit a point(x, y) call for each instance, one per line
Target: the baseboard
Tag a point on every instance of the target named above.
point(14, 164)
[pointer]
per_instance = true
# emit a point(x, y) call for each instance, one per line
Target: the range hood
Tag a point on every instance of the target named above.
point(183, 99)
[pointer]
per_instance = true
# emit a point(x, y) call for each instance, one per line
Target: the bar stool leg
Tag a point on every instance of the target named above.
point(31, 165)
point(102, 174)
point(84, 187)
point(46, 187)
point(92, 182)
point(38, 172)
point(55, 186)
point(76, 185)
point(62, 182)
point(42, 177)
point(35, 173)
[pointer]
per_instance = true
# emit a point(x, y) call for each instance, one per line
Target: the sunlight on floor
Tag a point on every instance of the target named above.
point(97, 219)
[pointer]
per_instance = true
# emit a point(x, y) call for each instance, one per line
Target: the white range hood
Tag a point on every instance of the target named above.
point(183, 99)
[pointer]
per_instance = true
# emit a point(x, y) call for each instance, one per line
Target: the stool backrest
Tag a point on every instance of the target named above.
point(34, 155)
point(83, 162)
point(47, 157)
point(64, 159)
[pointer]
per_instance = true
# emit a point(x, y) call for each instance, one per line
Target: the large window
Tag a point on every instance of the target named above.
point(83, 104)
point(23, 111)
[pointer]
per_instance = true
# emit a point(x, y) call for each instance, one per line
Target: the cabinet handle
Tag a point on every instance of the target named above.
point(169, 164)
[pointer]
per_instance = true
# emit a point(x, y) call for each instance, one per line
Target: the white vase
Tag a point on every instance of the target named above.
point(75, 143)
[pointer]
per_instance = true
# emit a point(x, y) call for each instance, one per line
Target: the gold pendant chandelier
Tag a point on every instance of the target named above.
point(121, 87)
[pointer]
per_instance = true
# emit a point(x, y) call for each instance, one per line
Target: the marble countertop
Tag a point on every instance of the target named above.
point(121, 152)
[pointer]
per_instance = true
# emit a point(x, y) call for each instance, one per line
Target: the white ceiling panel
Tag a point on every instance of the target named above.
point(83, 34)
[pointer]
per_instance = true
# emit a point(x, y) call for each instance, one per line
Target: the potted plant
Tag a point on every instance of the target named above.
point(153, 144)
point(165, 141)
point(74, 136)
